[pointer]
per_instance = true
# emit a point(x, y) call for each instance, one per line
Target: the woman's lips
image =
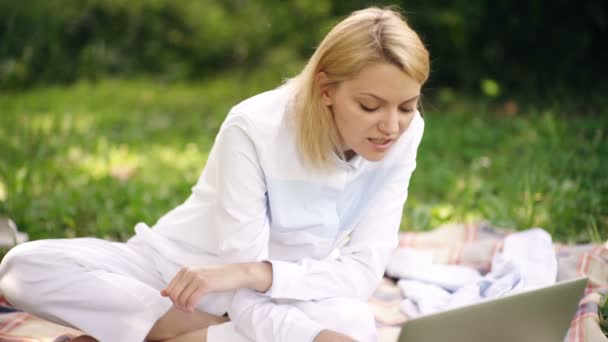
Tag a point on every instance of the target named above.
point(381, 147)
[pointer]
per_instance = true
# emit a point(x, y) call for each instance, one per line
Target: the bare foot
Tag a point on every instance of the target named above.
point(83, 338)
point(176, 323)
point(330, 335)
point(193, 336)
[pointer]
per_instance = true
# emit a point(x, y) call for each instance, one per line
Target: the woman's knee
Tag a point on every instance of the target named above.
point(349, 316)
point(23, 264)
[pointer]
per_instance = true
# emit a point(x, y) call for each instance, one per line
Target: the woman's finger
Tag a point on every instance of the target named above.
point(195, 298)
point(191, 287)
point(169, 288)
point(177, 284)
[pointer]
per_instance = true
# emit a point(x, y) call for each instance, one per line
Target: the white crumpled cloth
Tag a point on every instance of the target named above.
point(526, 262)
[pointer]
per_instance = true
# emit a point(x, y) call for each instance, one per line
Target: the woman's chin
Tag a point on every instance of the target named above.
point(373, 156)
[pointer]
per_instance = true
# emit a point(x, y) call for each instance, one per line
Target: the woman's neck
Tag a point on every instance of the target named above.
point(350, 154)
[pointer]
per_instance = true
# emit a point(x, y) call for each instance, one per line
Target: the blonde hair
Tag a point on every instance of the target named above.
point(366, 36)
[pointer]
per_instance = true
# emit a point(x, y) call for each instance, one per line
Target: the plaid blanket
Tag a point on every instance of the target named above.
point(16, 326)
point(471, 245)
point(474, 245)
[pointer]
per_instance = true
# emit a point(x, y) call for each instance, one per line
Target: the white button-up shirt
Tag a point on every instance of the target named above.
point(257, 200)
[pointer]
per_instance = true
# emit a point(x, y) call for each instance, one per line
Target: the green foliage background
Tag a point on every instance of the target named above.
point(535, 47)
point(108, 108)
point(94, 158)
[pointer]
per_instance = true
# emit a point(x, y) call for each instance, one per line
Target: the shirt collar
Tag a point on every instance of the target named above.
point(352, 164)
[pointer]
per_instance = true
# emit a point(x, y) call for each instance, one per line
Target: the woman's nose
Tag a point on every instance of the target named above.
point(389, 124)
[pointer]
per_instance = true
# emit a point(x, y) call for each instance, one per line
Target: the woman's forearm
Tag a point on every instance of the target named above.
point(191, 283)
point(257, 275)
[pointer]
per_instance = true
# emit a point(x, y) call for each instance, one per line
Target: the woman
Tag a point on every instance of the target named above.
point(288, 230)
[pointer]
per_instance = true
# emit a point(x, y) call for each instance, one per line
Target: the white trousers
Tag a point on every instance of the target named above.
point(111, 291)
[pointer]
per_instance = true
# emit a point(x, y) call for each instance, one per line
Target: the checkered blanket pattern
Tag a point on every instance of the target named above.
point(472, 245)
point(17, 326)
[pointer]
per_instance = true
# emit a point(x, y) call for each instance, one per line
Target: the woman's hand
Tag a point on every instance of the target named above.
point(190, 284)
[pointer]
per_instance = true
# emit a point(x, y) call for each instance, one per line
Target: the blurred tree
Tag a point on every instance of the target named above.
point(534, 46)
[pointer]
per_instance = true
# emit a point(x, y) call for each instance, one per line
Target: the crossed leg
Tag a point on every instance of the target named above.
point(107, 290)
point(176, 323)
point(176, 326)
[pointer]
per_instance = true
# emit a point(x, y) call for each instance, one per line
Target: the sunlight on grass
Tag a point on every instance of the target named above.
point(183, 160)
point(2, 191)
point(107, 161)
point(93, 159)
point(53, 123)
point(124, 163)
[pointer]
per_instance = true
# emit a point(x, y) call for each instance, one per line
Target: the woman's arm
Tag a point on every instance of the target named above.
point(355, 273)
point(239, 222)
point(361, 264)
point(241, 229)
point(190, 284)
point(258, 275)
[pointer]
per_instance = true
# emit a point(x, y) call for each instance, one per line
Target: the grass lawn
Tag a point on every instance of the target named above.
point(92, 159)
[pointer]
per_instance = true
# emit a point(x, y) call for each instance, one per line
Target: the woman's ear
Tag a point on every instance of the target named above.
point(324, 88)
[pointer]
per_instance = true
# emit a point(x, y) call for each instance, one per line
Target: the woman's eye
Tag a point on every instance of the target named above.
point(407, 110)
point(368, 109)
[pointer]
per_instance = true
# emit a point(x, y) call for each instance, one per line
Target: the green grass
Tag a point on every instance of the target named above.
point(92, 159)
point(535, 170)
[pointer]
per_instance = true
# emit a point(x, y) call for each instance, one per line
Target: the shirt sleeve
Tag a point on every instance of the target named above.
point(240, 214)
point(360, 266)
point(242, 227)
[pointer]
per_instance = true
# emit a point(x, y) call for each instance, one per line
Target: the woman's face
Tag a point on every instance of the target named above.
point(372, 110)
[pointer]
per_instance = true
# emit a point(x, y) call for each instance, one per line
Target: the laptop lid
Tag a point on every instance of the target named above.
point(540, 315)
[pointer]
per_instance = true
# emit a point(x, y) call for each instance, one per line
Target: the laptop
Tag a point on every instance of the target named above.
point(540, 315)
